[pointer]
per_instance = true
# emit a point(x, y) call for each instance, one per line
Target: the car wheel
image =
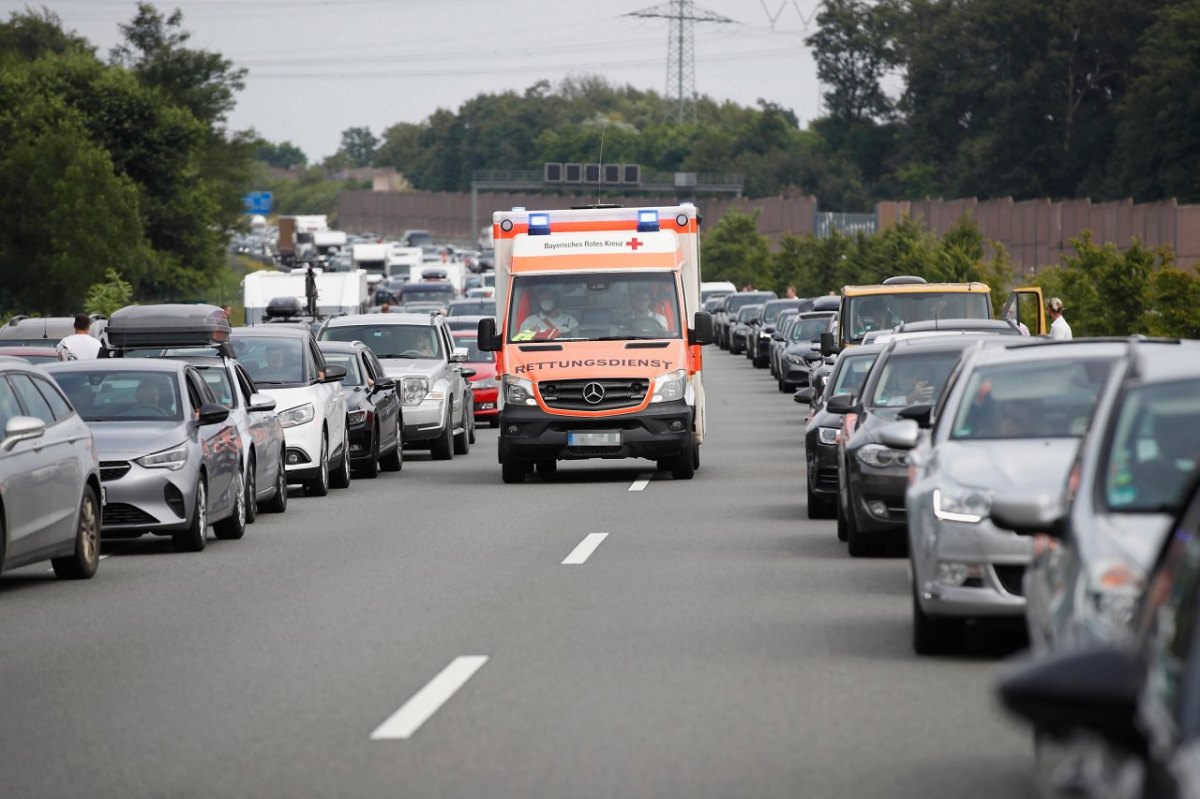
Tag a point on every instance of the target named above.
point(341, 477)
point(81, 564)
point(462, 441)
point(512, 471)
point(252, 490)
point(819, 508)
point(394, 460)
point(695, 454)
point(842, 532)
point(370, 469)
point(935, 636)
point(443, 448)
point(546, 467)
point(319, 485)
point(494, 421)
point(683, 466)
point(472, 427)
point(858, 544)
point(195, 537)
point(278, 503)
point(234, 527)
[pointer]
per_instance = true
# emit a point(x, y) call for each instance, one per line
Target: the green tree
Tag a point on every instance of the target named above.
point(734, 250)
point(283, 155)
point(1174, 304)
point(854, 51)
point(109, 296)
point(359, 145)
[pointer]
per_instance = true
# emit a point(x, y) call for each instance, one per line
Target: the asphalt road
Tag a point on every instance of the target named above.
point(714, 644)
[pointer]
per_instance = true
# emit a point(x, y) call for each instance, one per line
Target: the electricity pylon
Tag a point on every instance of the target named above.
point(681, 52)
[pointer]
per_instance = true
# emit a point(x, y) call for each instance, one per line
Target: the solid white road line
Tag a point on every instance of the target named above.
point(584, 550)
point(642, 481)
point(416, 711)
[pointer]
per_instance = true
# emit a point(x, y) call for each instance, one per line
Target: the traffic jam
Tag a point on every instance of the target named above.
point(1037, 484)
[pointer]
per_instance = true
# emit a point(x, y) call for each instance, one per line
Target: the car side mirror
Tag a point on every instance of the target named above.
point(777, 337)
point(261, 402)
point(702, 329)
point(921, 414)
point(1028, 513)
point(212, 413)
point(901, 435)
point(1095, 689)
point(468, 372)
point(828, 345)
point(385, 384)
point(842, 404)
point(459, 355)
point(804, 395)
point(21, 428)
point(488, 341)
point(334, 374)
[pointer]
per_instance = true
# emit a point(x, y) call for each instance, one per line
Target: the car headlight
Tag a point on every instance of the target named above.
point(961, 504)
point(357, 417)
point(798, 360)
point(518, 391)
point(173, 458)
point(413, 390)
point(881, 457)
point(486, 382)
point(828, 435)
point(1114, 588)
point(302, 414)
point(670, 387)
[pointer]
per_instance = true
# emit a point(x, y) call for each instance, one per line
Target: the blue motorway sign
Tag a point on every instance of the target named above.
point(258, 202)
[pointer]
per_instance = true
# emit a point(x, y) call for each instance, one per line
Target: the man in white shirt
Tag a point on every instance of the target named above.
point(1059, 329)
point(644, 319)
point(79, 346)
point(548, 318)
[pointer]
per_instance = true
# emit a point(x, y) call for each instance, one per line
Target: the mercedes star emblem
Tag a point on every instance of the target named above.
point(593, 393)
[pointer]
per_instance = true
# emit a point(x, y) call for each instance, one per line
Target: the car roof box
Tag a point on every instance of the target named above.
point(145, 326)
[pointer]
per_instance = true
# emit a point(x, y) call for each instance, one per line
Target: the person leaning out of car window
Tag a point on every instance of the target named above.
point(1059, 329)
point(79, 346)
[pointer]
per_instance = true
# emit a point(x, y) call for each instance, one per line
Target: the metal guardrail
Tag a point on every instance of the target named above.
point(828, 222)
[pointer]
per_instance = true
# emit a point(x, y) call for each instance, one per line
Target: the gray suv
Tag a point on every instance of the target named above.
point(418, 351)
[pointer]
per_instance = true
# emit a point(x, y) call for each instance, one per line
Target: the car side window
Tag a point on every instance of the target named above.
point(245, 384)
point(311, 367)
point(195, 389)
point(32, 401)
point(367, 369)
point(9, 407)
point(54, 398)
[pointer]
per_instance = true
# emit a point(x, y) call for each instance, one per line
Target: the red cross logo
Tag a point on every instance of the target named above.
point(634, 243)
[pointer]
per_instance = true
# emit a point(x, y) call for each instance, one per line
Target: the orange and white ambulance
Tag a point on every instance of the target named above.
point(599, 333)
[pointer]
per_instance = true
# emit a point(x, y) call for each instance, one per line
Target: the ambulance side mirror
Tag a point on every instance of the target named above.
point(487, 338)
point(702, 330)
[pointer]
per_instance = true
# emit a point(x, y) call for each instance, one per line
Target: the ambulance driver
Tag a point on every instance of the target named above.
point(548, 316)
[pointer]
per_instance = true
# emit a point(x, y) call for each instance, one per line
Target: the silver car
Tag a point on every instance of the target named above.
point(1011, 419)
point(50, 489)
point(170, 456)
point(418, 352)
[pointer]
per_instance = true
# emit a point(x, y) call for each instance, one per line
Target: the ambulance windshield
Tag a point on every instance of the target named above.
point(594, 307)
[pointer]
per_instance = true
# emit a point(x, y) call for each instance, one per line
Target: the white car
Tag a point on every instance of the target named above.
point(286, 364)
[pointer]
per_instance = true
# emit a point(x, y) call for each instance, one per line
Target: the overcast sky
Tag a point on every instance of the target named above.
point(318, 67)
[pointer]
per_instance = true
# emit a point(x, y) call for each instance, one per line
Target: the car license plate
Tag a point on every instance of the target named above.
point(594, 439)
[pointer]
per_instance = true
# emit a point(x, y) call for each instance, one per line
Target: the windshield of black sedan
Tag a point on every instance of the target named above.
point(913, 379)
point(1046, 399)
point(102, 395)
point(810, 329)
point(1155, 448)
point(390, 341)
point(852, 374)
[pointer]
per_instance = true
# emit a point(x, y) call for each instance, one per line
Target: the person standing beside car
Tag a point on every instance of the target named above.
point(1059, 329)
point(79, 346)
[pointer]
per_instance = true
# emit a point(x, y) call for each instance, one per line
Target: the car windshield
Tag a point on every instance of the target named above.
point(102, 395)
point(1155, 448)
point(218, 381)
point(1046, 399)
point(390, 341)
point(594, 307)
point(39, 358)
point(419, 293)
point(852, 374)
point(772, 312)
point(885, 311)
point(749, 312)
point(350, 361)
point(271, 360)
point(474, 354)
point(911, 379)
point(473, 308)
point(736, 302)
point(810, 329)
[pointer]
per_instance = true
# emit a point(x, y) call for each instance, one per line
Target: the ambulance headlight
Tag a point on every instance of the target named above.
point(670, 387)
point(518, 391)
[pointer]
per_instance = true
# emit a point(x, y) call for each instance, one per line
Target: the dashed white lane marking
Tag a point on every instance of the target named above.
point(584, 550)
point(642, 481)
point(416, 711)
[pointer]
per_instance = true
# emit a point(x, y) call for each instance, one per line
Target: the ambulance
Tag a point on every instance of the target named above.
point(598, 334)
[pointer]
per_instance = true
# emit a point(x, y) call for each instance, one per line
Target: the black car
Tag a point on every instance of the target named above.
point(802, 351)
point(373, 413)
point(759, 347)
point(908, 377)
point(824, 428)
point(1136, 698)
point(726, 317)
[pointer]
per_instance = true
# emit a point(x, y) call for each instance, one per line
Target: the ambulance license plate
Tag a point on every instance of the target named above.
point(594, 439)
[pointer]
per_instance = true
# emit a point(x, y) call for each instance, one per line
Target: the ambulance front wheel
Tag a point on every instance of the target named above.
point(512, 471)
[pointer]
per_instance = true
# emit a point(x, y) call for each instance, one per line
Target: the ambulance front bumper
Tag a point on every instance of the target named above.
point(662, 430)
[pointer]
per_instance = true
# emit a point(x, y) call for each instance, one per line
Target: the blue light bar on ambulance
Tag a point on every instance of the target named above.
point(647, 221)
point(539, 224)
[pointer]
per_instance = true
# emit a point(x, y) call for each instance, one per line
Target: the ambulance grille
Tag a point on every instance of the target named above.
point(568, 395)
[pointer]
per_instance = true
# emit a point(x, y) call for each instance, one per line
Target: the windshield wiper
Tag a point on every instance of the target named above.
point(625, 338)
point(274, 382)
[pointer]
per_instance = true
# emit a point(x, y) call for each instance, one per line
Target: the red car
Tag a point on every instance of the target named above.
point(37, 355)
point(483, 384)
